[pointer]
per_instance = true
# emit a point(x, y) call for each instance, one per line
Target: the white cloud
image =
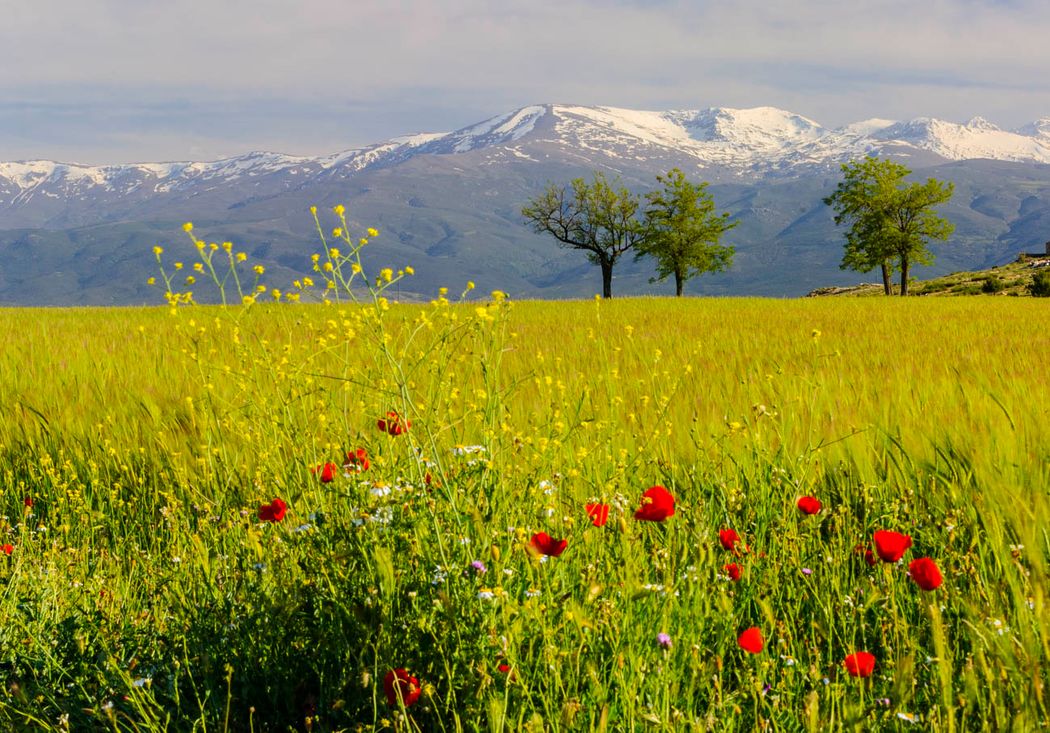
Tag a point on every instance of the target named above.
point(415, 64)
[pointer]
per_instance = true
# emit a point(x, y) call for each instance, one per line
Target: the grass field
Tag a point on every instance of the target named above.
point(141, 453)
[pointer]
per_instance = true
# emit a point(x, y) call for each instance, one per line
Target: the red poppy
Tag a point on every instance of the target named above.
point(728, 538)
point(599, 514)
point(733, 571)
point(543, 544)
point(357, 461)
point(860, 664)
point(503, 667)
point(28, 501)
point(7, 549)
point(657, 505)
point(751, 640)
point(809, 505)
point(869, 556)
point(891, 546)
point(393, 423)
point(925, 573)
point(273, 512)
point(327, 471)
point(399, 684)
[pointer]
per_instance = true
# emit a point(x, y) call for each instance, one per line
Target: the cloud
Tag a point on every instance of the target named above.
point(286, 74)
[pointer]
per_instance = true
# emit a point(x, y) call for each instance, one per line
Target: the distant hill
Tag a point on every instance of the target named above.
point(1011, 279)
point(449, 203)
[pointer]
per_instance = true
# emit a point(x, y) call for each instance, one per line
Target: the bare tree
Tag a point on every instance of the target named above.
point(599, 218)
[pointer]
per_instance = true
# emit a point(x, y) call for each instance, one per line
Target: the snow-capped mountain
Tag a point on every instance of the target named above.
point(754, 142)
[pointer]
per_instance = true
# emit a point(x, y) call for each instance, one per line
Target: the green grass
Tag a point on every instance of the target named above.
point(142, 592)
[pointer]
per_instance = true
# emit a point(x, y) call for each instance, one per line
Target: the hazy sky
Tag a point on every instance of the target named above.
point(127, 80)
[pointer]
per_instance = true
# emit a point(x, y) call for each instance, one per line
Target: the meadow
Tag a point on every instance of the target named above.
point(371, 516)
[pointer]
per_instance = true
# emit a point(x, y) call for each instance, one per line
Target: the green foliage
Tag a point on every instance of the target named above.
point(890, 221)
point(599, 218)
point(993, 284)
point(1040, 285)
point(683, 230)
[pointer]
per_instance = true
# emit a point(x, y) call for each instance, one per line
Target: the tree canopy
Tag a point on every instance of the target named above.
point(679, 227)
point(890, 220)
point(599, 218)
point(683, 230)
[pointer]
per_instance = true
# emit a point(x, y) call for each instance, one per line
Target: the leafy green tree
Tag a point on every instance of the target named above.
point(683, 230)
point(1040, 285)
point(891, 221)
point(599, 218)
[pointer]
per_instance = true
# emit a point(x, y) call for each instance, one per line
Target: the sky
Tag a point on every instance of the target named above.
point(111, 81)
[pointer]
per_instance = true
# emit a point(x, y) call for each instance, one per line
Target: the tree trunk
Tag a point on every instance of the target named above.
point(607, 266)
point(904, 275)
point(679, 282)
point(886, 285)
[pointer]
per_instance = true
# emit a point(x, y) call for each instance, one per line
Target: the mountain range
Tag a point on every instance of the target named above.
point(449, 203)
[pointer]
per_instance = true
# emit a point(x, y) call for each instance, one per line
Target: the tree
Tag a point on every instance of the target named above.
point(682, 230)
point(1040, 285)
point(891, 221)
point(598, 217)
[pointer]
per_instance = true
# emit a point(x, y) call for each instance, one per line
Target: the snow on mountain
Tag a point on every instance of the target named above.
point(866, 128)
point(1038, 129)
point(499, 130)
point(977, 138)
point(759, 128)
point(756, 142)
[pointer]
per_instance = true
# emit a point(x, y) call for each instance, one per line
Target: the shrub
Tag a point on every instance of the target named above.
point(993, 284)
point(1040, 285)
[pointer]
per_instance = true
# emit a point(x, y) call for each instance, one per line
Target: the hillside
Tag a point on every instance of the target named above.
point(1011, 279)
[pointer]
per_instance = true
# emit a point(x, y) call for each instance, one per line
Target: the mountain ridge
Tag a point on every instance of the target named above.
point(758, 141)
